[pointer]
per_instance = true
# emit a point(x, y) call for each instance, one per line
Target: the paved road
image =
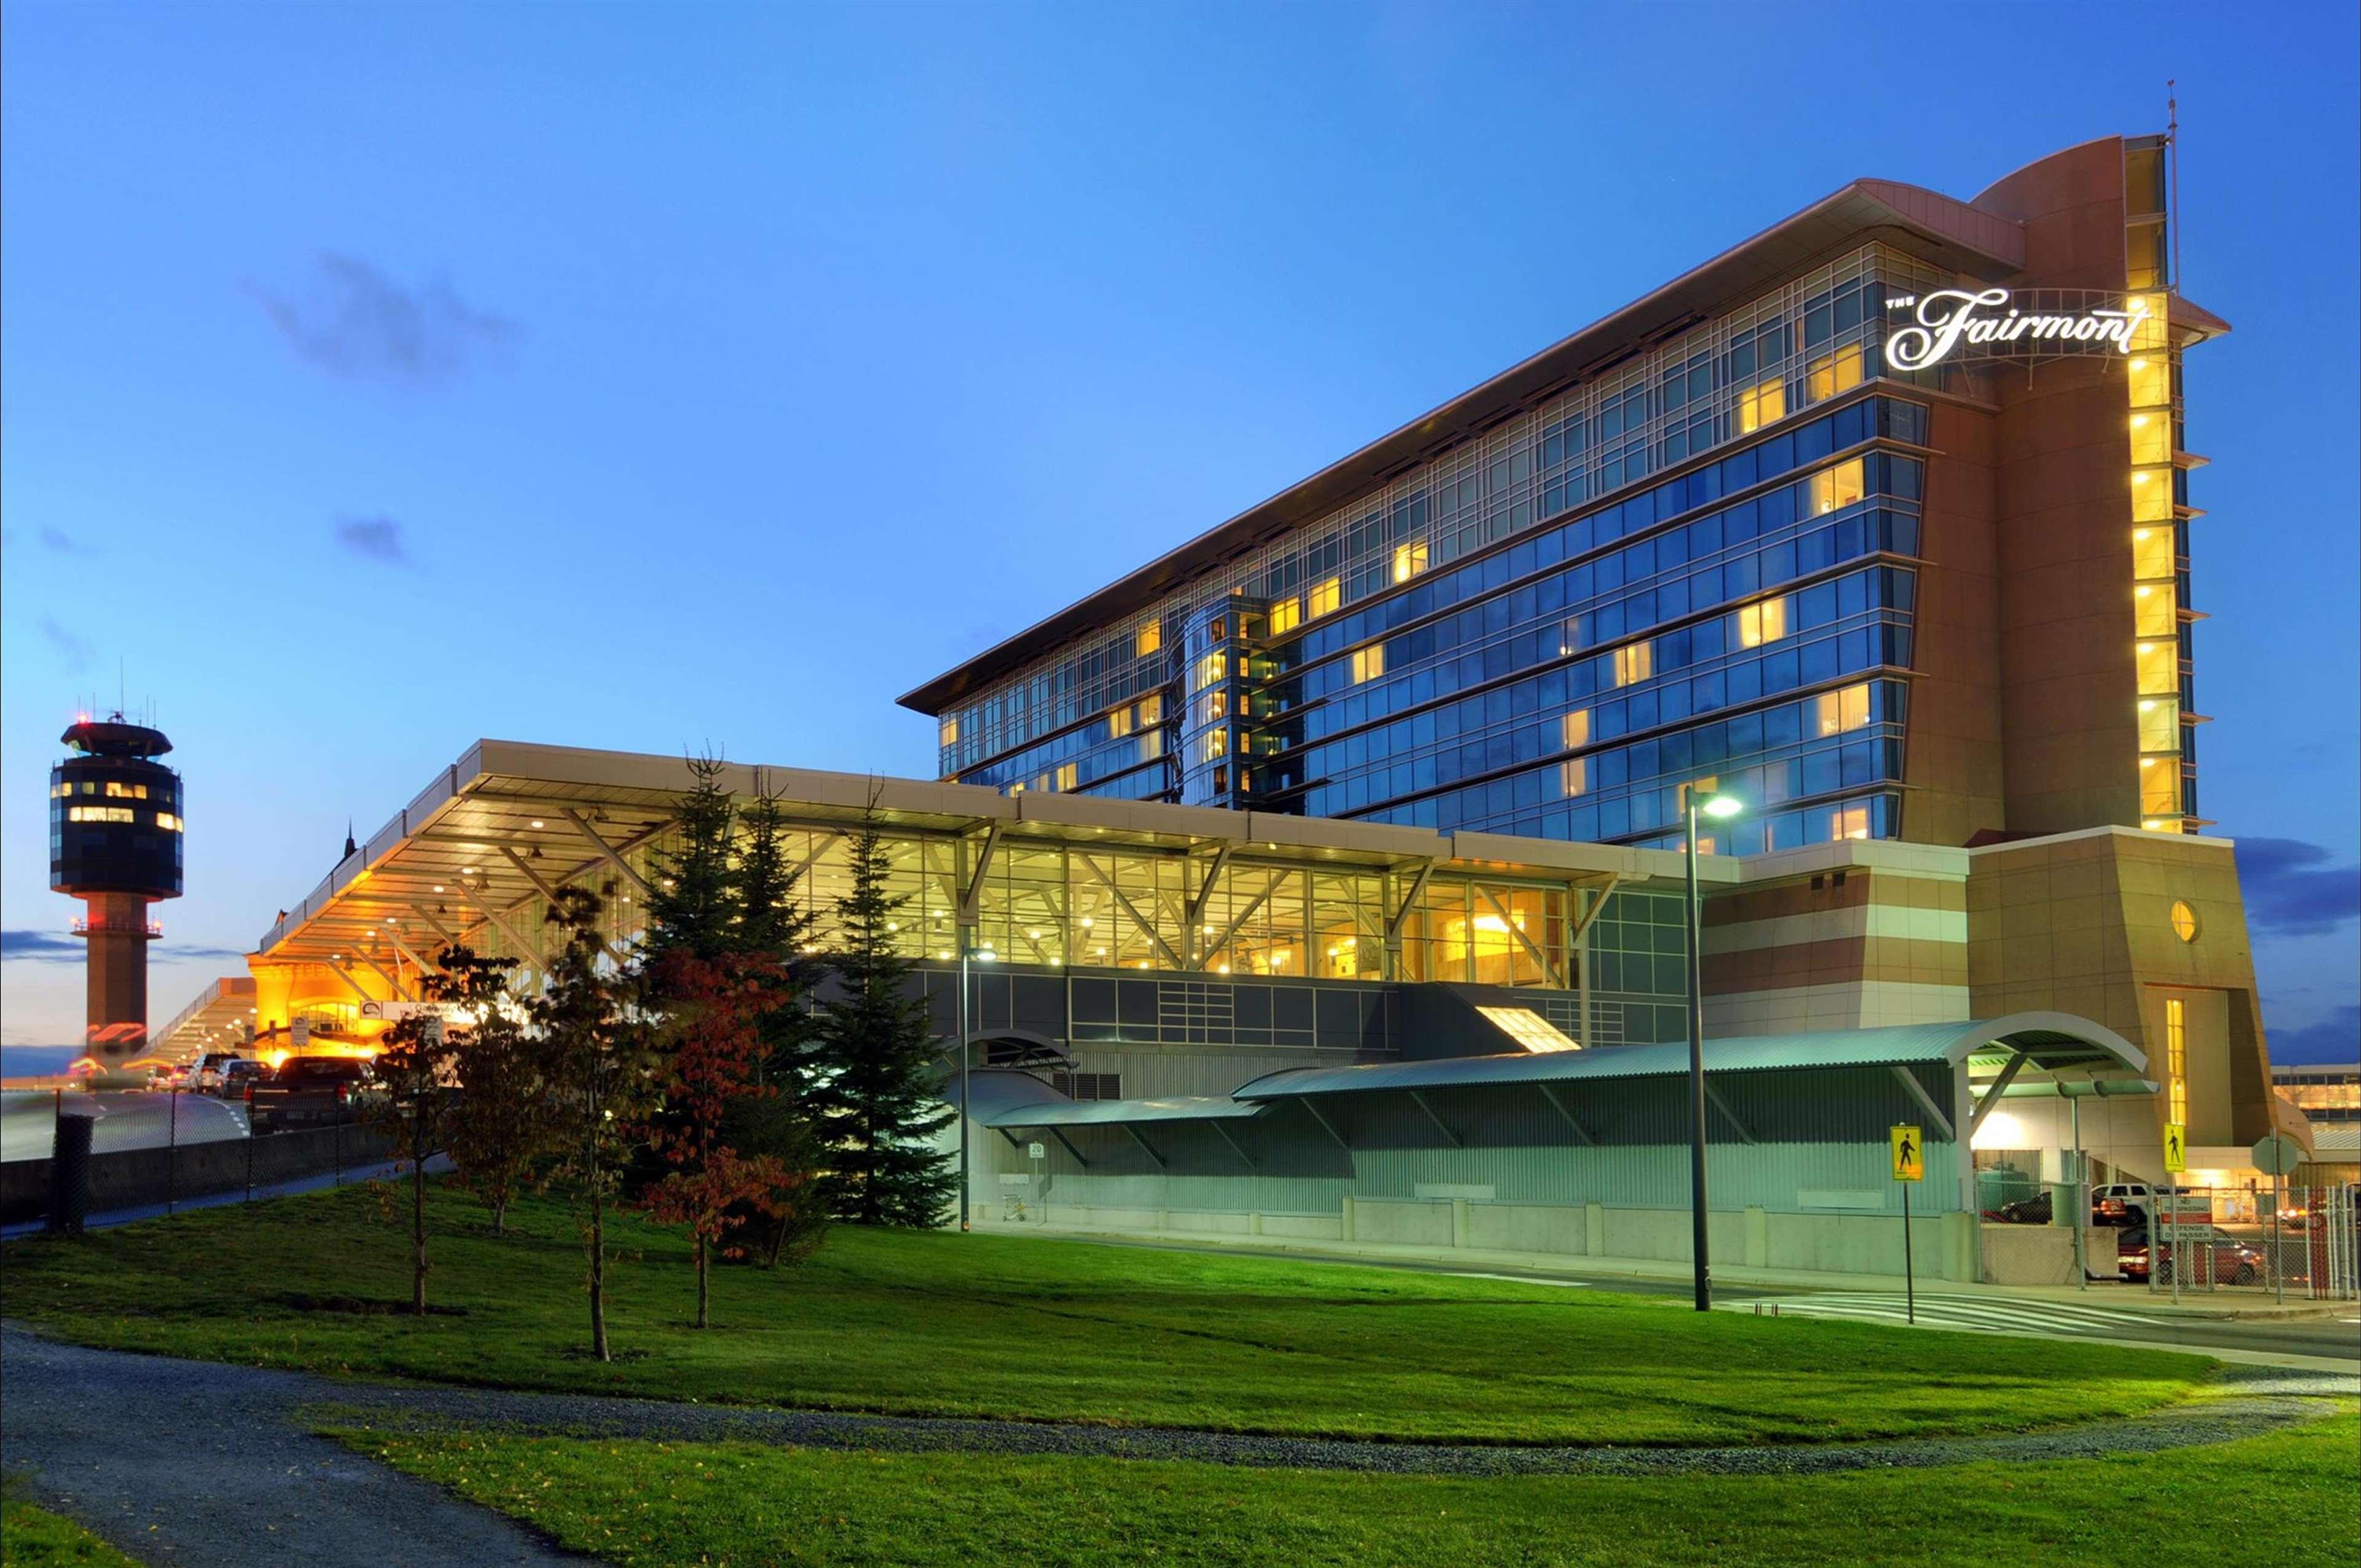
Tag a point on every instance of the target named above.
point(183, 1462)
point(2117, 1314)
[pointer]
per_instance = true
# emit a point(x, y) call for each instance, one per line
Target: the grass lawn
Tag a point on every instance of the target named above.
point(2287, 1499)
point(934, 1323)
point(35, 1537)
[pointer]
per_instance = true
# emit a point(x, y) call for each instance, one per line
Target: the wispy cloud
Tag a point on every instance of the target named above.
point(351, 321)
point(71, 646)
point(2291, 891)
point(375, 539)
point(2334, 1039)
point(39, 947)
point(65, 543)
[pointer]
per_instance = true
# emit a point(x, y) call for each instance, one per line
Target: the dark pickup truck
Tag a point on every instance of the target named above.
point(308, 1091)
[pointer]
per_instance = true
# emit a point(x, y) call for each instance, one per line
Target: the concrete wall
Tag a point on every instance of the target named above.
point(1944, 1245)
point(131, 1179)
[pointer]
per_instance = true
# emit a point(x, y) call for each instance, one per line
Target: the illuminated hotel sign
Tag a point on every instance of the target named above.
point(1956, 324)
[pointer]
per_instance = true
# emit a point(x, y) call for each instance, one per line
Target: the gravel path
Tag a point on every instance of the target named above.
point(190, 1461)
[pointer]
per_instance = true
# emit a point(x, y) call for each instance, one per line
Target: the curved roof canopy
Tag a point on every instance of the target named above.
point(1123, 1112)
point(2047, 1040)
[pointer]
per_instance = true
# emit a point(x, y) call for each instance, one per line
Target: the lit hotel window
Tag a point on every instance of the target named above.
point(1152, 707)
point(951, 731)
point(1150, 638)
point(1764, 622)
point(2151, 438)
point(1286, 616)
point(1410, 560)
point(2151, 553)
point(2159, 668)
point(1836, 487)
point(1634, 662)
point(1758, 406)
point(126, 791)
point(2159, 786)
point(1065, 776)
point(1851, 822)
point(1578, 728)
point(1211, 668)
point(168, 821)
point(1151, 745)
point(1575, 777)
point(2151, 381)
point(2160, 724)
point(1324, 597)
point(1368, 662)
point(2184, 920)
point(100, 814)
point(1119, 722)
point(1841, 710)
point(2151, 495)
point(2152, 610)
point(1216, 743)
point(1833, 373)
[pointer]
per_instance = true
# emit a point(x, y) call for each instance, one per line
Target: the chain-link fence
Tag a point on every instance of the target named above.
point(2298, 1243)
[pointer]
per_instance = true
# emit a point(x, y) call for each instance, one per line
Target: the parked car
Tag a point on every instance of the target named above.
point(2036, 1210)
point(308, 1091)
point(206, 1072)
point(2119, 1204)
point(2235, 1262)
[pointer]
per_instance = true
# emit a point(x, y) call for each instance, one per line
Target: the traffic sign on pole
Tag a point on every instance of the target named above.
point(1909, 1155)
point(1909, 1164)
point(2176, 1148)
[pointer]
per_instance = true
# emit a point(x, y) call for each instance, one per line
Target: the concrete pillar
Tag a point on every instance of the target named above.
point(1459, 1221)
point(1348, 1217)
point(1594, 1230)
point(1758, 1237)
point(1962, 1248)
point(1254, 1224)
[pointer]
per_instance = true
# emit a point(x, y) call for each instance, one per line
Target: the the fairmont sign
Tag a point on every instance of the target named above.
point(1955, 324)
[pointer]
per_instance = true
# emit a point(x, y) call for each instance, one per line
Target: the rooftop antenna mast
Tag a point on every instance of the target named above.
point(2172, 141)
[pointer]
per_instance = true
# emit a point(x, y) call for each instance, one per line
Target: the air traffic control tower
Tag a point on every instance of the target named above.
point(114, 843)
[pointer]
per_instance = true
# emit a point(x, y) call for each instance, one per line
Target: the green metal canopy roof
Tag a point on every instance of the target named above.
point(2047, 1040)
point(1123, 1113)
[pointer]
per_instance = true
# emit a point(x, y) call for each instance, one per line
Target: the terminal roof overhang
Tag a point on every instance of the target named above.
point(1949, 233)
point(508, 813)
point(2052, 1041)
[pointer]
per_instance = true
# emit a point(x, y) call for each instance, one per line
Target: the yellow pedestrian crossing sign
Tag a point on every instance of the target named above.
point(1909, 1155)
point(2176, 1148)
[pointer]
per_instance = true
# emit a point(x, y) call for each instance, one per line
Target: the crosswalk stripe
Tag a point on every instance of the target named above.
point(2046, 1310)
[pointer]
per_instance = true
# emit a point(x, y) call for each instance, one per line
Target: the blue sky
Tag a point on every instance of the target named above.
point(383, 377)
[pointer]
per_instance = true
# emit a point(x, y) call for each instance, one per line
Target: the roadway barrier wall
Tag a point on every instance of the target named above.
point(131, 1179)
point(1944, 1245)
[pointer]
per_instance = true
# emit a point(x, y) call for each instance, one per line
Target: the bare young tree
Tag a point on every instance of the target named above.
point(603, 1075)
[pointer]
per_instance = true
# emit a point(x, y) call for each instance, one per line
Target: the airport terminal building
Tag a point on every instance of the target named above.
point(1321, 877)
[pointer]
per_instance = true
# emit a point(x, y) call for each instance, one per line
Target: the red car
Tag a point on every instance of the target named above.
point(2234, 1261)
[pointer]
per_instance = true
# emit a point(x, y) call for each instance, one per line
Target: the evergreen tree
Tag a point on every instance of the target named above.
point(774, 925)
point(501, 1124)
point(691, 908)
point(876, 1092)
point(604, 1079)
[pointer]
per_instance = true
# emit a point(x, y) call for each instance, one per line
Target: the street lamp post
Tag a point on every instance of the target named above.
point(967, 1111)
point(1717, 806)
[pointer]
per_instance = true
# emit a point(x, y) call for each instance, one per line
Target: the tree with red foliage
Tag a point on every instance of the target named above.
point(714, 1046)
